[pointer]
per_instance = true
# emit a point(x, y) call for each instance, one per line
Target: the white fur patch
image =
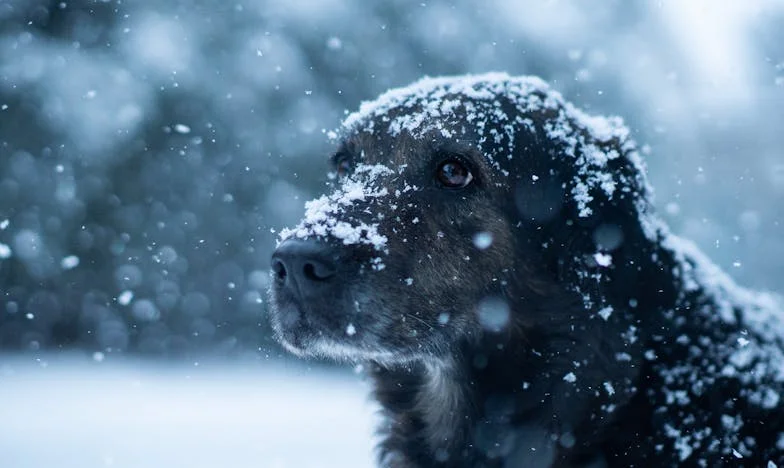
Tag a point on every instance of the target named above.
point(441, 403)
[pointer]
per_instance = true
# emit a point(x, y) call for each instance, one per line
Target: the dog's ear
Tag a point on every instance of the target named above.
point(540, 199)
point(582, 200)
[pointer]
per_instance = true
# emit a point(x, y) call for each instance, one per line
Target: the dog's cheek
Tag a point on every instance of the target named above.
point(401, 318)
point(487, 249)
point(436, 272)
point(485, 275)
point(375, 309)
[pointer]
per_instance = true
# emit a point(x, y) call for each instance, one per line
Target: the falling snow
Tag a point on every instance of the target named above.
point(69, 262)
point(144, 168)
point(483, 240)
point(493, 313)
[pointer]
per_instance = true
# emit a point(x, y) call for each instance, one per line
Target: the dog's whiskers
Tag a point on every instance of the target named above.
point(419, 319)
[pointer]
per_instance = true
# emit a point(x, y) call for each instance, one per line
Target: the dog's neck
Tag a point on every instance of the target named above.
point(430, 412)
point(491, 402)
point(460, 426)
point(465, 410)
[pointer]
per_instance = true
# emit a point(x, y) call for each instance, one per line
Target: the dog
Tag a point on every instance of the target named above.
point(492, 254)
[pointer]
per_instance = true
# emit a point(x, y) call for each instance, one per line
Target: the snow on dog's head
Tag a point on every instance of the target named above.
point(492, 110)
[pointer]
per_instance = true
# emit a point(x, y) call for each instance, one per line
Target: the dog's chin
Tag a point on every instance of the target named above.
point(308, 334)
point(304, 341)
point(325, 348)
point(343, 351)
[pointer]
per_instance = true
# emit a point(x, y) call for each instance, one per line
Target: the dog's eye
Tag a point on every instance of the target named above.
point(453, 174)
point(343, 167)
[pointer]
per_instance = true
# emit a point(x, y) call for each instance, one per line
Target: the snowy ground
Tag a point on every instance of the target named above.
point(68, 412)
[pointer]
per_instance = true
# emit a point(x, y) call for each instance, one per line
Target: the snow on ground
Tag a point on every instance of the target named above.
point(68, 412)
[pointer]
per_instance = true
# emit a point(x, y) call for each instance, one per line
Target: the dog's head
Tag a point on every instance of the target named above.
point(459, 206)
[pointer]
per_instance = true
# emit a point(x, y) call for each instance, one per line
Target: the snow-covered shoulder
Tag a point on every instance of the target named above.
point(760, 312)
point(743, 343)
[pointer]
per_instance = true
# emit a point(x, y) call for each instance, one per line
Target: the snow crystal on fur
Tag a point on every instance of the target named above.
point(325, 216)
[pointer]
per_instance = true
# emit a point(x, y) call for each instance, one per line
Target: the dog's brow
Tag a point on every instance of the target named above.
point(462, 150)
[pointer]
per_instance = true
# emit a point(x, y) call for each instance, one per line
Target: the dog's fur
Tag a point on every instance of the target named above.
point(585, 334)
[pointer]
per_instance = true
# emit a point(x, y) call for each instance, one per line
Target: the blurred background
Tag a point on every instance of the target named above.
point(150, 151)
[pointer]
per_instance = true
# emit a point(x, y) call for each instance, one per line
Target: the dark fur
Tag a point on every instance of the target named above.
point(456, 394)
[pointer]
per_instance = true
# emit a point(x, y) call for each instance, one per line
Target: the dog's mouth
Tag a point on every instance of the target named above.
point(317, 320)
point(308, 331)
point(298, 324)
point(335, 321)
point(314, 307)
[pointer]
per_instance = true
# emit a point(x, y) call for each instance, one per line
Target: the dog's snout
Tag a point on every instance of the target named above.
point(304, 264)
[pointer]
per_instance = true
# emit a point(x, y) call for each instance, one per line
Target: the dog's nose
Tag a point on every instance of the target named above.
point(304, 264)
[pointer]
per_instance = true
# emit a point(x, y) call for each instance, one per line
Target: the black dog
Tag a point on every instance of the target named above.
point(491, 251)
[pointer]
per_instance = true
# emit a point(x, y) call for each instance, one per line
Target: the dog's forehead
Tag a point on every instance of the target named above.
point(405, 127)
point(392, 151)
point(435, 112)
